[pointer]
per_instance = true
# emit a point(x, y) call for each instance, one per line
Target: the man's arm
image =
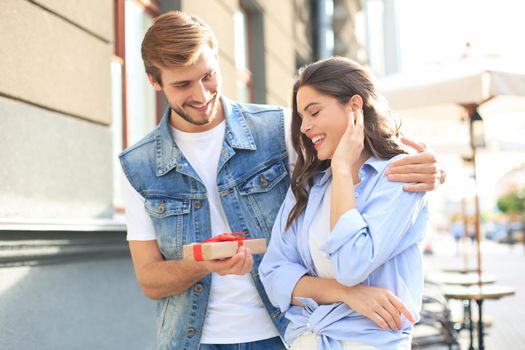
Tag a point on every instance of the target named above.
point(421, 168)
point(159, 278)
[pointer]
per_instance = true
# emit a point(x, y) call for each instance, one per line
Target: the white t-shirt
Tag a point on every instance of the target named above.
point(235, 312)
point(318, 234)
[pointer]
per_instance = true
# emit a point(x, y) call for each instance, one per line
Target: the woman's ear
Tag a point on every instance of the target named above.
point(356, 103)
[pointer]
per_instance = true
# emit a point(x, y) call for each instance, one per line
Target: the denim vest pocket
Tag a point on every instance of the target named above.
point(264, 180)
point(170, 219)
point(262, 190)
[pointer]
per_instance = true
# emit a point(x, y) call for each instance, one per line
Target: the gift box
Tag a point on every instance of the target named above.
point(222, 246)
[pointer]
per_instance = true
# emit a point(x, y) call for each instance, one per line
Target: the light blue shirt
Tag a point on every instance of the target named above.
point(376, 244)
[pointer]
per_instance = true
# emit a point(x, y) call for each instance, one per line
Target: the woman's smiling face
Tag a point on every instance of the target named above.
point(323, 120)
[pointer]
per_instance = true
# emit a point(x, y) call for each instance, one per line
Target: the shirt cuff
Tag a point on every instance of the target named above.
point(348, 225)
point(285, 289)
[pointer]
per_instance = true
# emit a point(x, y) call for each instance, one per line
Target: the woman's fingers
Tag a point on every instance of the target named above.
point(401, 307)
point(379, 321)
point(390, 317)
point(360, 118)
point(351, 121)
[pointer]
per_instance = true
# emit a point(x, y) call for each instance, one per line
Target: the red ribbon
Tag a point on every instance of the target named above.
point(224, 237)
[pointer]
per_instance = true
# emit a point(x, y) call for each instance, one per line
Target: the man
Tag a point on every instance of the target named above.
point(211, 166)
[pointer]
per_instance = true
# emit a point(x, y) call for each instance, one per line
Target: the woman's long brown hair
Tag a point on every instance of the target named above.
point(341, 78)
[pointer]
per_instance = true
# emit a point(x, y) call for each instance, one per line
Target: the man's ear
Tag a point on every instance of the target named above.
point(154, 83)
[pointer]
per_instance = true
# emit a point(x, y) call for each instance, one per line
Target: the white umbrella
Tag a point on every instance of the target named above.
point(440, 91)
point(469, 80)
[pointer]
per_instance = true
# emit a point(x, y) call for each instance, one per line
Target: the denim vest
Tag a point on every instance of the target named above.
point(252, 180)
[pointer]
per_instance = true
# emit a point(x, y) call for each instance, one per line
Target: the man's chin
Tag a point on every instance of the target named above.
point(197, 119)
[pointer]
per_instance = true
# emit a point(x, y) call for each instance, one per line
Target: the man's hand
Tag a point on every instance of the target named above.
point(239, 264)
point(379, 305)
point(421, 168)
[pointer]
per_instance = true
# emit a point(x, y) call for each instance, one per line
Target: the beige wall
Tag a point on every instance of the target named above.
point(52, 63)
point(95, 16)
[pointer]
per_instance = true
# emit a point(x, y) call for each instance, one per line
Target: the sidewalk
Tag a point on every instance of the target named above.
point(507, 263)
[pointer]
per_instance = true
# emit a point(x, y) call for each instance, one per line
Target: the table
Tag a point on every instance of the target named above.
point(461, 270)
point(478, 294)
point(463, 279)
point(466, 280)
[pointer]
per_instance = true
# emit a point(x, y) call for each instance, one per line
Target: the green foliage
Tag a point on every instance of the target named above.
point(512, 203)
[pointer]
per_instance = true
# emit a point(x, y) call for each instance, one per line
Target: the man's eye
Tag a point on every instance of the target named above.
point(208, 76)
point(182, 85)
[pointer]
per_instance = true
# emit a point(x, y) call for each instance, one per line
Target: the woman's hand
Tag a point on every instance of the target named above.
point(379, 305)
point(421, 168)
point(351, 144)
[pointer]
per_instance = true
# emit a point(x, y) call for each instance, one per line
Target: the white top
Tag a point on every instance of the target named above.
point(235, 313)
point(318, 233)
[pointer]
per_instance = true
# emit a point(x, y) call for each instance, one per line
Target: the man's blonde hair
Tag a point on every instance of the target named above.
point(174, 40)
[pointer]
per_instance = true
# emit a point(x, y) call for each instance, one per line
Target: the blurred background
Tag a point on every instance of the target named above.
point(73, 95)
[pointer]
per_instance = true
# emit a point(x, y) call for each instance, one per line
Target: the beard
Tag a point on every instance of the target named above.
point(197, 122)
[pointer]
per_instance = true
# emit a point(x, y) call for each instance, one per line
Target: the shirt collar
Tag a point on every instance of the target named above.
point(237, 133)
point(378, 165)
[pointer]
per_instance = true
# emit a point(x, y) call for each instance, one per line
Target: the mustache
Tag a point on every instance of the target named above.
point(213, 96)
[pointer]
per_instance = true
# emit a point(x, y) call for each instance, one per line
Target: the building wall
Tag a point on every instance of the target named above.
point(279, 44)
point(58, 289)
point(56, 109)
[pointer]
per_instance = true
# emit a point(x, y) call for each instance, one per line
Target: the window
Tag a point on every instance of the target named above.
point(242, 56)
point(249, 52)
point(136, 106)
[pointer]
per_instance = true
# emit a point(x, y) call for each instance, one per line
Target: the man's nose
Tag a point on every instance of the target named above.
point(201, 93)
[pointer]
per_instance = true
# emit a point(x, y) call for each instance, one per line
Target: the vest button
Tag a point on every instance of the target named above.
point(199, 288)
point(190, 332)
point(197, 204)
point(161, 208)
point(263, 181)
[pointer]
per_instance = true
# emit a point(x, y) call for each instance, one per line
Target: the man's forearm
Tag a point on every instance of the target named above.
point(161, 279)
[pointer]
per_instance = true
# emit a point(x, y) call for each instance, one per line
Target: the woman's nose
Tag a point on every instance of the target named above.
point(305, 126)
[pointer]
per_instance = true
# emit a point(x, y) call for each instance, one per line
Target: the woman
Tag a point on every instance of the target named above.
point(343, 223)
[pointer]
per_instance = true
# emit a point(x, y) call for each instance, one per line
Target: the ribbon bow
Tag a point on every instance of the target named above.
point(238, 237)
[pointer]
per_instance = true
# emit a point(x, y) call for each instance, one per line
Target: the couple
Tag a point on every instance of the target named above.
point(342, 270)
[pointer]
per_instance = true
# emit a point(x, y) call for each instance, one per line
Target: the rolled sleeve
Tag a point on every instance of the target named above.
point(363, 240)
point(349, 224)
point(280, 283)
